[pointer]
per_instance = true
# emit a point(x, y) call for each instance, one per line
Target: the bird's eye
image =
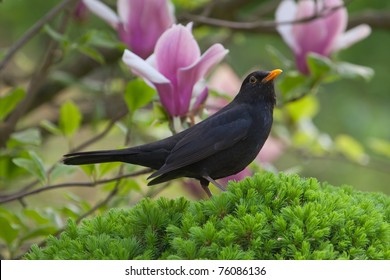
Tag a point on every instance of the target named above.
point(252, 80)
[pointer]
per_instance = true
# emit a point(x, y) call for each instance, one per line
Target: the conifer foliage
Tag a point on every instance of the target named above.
point(264, 217)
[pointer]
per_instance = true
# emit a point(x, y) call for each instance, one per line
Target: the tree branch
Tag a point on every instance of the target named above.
point(266, 26)
point(36, 81)
point(73, 184)
point(375, 19)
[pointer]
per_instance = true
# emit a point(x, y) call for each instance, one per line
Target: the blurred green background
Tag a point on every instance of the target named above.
point(354, 107)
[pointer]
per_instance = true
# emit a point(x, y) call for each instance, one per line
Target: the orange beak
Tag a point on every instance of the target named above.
point(272, 75)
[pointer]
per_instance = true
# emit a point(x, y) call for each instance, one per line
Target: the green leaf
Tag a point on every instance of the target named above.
point(29, 136)
point(107, 167)
point(351, 148)
point(138, 94)
point(9, 101)
point(293, 84)
point(51, 127)
point(353, 71)
point(99, 38)
point(159, 112)
point(12, 218)
point(306, 107)
point(34, 166)
point(89, 169)
point(8, 232)
point(39, 165)
point(278, 58)
point(129, 185)
point(71, 211)
point(60, 170)
point(70, 118)
point(24, 163)
point(92, 53)
point(64, 78)
point(78, 205)
point(380, 146)
point(36, 216)
point(55, 35)
point(319, 65)
point(40, 231)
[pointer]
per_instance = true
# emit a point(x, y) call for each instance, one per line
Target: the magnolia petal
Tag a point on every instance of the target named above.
point(309, 36)
point(319, 35)
point(335, 22)
point(189, 76)
point(138, 31)
point(352, 36)
point(143, 69)
point(176, 48)
point(203, 65)
point(286, 13)
point(199, 94)
point(189, 26)
point(123, 9)
point(103, 11)
point(150, 30)
point(301, 63)
point(168, 100)
point(171, 12)
point(151, 60)
point(153, 78)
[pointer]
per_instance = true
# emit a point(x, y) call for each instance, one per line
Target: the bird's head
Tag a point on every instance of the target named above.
point(259, 85)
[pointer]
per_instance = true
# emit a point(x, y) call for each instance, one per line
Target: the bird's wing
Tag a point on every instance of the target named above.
point(206, 139)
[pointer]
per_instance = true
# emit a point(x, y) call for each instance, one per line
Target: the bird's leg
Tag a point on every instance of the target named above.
point(211, 180)
point(205, 186)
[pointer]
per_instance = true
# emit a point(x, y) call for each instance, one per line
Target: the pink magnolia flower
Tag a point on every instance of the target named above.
point(177, 69)
point(323, 35)
point(139, 23)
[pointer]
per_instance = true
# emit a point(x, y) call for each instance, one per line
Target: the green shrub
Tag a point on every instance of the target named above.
point(264, 217)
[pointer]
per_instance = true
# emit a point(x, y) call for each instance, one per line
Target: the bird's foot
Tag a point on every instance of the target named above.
point(207, 190)
point(204, 182)
point(215, 183)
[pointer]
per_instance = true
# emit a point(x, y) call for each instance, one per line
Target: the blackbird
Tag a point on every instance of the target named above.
point(217, 147)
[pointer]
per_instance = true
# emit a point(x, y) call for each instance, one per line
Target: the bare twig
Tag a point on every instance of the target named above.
point(376, 19)
point(73, 184)
point(110, 195)
point(100, 135)
point(264, 25)
point(36, 81)
point(100, 204)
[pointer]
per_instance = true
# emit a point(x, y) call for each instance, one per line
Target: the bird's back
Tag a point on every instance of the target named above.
point(221, 146)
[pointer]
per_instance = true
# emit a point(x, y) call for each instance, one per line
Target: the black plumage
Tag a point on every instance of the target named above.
point(217, 147)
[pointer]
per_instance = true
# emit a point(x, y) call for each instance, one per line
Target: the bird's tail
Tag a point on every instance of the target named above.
point(148, 155)
point(96, 157)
